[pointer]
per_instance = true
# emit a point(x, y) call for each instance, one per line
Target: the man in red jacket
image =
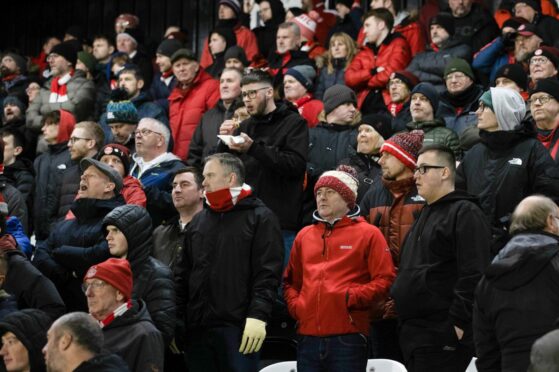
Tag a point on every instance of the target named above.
point(339, 267)
point(370, 70)
point(195, 93)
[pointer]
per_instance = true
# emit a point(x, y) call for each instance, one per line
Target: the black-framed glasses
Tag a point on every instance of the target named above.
point(542, 100)
point(145, 132)
point(422, 169)
point(251, 94)
point(73, 140)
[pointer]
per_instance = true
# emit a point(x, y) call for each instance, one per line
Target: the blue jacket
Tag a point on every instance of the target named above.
point(160, 92)
point(15, 228)
point(326, 80)
point(491, 57)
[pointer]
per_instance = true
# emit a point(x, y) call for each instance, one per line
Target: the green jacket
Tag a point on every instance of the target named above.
point(435, 131)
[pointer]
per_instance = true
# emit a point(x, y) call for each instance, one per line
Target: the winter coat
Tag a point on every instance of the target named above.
point(336, 272)
point(429, 65)
point(309, 109)
point(102, 93)
point(517, 302)
point(550, 142)
point(20, 175)
point(477, 28)
point(441, 262)
point(435, 132)
point(145, 65)
point(224, 278)
point(15, 228)
point(30, 288)
point(361, 75)
point(14, 87)
point(186, 107)
point(492, 57)
point(160, 90)
point(168, 243)
point(81, 101)
point(350, 24)
point(245, 39)
point(153, 281)
point(69, 187)
point(105, 363)
point(49, 168)
point(548, 28)
point(16, 203)
point(368, 170)
point(279, 63)
point(132, 192)
point(204, 140)
point(327, 80)
point(275, 163)
point(393, 207)
point(133, 337)
point(73, 246)
point(402, 118)
point(503, 169)
point(459, 118)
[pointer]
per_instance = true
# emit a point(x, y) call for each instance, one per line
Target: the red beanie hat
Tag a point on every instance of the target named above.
point(65, 126)
point(405, 147)
point(342, 181)
point(114, 271)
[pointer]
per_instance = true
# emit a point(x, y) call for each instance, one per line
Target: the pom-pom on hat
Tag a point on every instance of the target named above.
point(114, 271)
point(306, 25)
point(342, 181)
point(122, 112)
point(405, 147)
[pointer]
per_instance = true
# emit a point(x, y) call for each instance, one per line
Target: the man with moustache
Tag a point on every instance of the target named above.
point(13, 68)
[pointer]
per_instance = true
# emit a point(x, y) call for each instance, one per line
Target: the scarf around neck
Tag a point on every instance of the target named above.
point(225, 199)
point(115, 314)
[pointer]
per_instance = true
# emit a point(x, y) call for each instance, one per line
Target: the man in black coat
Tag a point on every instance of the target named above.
point(99, 193)
point(441, 261)
point(547, 26)
point(517, 300)
point(229, 274)
point(474, 24)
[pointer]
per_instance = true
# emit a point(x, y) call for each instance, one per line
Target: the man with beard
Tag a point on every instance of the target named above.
point(14, 82)
point(526, 42)
point(548, 27)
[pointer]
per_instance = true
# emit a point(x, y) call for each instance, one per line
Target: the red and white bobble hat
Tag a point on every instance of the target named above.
point(342, 182)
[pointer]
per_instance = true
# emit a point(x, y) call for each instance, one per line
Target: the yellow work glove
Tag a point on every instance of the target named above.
point(253, 336)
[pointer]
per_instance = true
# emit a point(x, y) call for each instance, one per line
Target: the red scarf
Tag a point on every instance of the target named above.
point(395, 108)
point(115, 314)
point(61, 90)
point(9, 77)
point(225, 199)
point(166, 74)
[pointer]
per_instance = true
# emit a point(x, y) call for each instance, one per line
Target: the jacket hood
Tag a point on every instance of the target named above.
point(135, 223)
point(65, 126)
point(30, 327)
point(87, 208)
point(352, 215)
point(522, 259)
point(58, 147)
point(278, 13)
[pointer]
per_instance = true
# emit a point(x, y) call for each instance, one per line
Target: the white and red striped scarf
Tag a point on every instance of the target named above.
point(115, 314)
point(59, 88)
point(225, 199)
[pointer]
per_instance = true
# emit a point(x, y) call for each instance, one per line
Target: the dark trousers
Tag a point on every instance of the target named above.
point(434, 359)
point(341, 353)
point(385, 342)
point(217, 349)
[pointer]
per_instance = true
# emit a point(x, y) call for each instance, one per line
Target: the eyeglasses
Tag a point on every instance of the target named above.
point(422, 169)
point(539, 60)
point(251, 94)
point(455, 76)
point(145, 132)
point(542, 100)
point(76, 139)
point(95, 285)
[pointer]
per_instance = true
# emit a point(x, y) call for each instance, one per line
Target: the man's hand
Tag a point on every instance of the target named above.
point(241, 147)
point(459, 333)
point(253, 336)
point(228, 127)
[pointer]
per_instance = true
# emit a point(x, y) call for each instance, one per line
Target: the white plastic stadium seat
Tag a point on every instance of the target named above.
point(472, 366)
point(281, 367)
point(385, 365)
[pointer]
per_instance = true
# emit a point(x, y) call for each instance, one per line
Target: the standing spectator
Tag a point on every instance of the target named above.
point(370, 70)
point(429, 65)
point(164, 81)
point(229, 12)
point(298, 84)
point(205, 138)
point(195, 93)
point(441, 261)
point(17, 169)
point(103, 49)
point(88, 64)
point(348, 20)
point(127, 327)
point(272, 14)
point(548, 27)
point(188, 196)
point(544, 105)
point(460, 99)
point(68, 89)
point(307, 27)
point(514, 77)
point(75, 343)
point(227, 298)
point(14, 80)
point(13, 120)
point(130, 42)
point(331, 297)
point(473, 23)
point(523, 277)
point(220, 39)
point(342, 49)
point(400, 86)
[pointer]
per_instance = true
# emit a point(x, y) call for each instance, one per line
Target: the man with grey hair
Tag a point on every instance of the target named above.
point(74, 343)
point(517, 299)
point(154, 167)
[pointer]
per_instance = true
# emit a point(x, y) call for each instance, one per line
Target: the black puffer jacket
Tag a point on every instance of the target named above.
point(153, 281)
point(231, 266)
point(168, 242)
point(30, 326)
point(49, 168)
point(75, 245)
point(20, 175)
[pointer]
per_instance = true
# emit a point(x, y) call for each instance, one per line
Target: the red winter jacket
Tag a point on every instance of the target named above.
point(245, 39)
point(133, 192)
point(309, 109)
point(393, 55)
point(411, 31)
point(334, 276)
point(186, 107)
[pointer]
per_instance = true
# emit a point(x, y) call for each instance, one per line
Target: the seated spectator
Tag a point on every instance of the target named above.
point(527, 41)
point(99, 194)
point(272, 14)
point(128, 233)
point(164, 81)
point(127, 327)
point(17, 169)
point(547, 27)
point(195, 93)
point(205, 138)
point(423, 106)
point(68, 89)
point(514, 77)
point(154, 167)
point(544, 105)
point(543, 64)
point(429, 65)
point(473, 23)
point(342, 49)
point(129, 41)
point(24, 333)
point(188, 196)
point(118, 157)
point(123, 118)
point(349, 19)
point(220, 39)
point(400, 85)
point(370, 70)
point(298, 84)
point(460, 99)
point(103, 49)
point(14, 80)
point(307, 26)
point(75, 343)
point(509, 163)
point(228, 15)
point(236, 58)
